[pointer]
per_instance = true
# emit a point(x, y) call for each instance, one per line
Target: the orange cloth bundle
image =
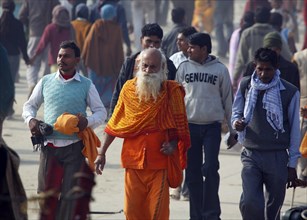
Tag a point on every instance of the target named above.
point(132, 117)
point(67, 124)
point(303, 147)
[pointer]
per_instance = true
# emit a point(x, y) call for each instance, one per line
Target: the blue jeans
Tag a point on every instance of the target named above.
point(202, 175)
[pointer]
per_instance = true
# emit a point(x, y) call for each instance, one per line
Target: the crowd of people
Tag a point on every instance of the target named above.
point(165, 94)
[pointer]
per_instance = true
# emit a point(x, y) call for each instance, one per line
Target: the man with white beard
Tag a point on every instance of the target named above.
point(150, 115)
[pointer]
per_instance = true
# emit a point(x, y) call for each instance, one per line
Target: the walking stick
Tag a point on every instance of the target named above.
point(293, 195)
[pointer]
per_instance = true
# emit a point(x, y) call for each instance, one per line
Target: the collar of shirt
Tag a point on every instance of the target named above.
point(75, 77)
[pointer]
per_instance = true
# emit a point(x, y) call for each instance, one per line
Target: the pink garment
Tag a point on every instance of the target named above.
point(53, 35)
point(233, 50)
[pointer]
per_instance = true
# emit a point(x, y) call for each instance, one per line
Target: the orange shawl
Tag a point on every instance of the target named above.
point(132, 117)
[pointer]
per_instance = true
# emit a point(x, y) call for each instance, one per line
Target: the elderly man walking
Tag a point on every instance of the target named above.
point(150, 116)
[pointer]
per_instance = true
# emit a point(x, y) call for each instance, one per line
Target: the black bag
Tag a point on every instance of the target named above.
point(295, 213)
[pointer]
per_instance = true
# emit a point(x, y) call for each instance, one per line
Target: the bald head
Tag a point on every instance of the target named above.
point(151, 74)
point(151, 60)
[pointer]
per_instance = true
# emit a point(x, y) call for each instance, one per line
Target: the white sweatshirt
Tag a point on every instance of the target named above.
point(208, 91)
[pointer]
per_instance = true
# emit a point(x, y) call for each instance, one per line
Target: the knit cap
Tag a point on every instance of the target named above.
point(272, 39)
point(108, 12)
point(82, 11)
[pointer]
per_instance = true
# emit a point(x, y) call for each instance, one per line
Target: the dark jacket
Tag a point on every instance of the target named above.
point(6, 84)
point(11, 186)
point(288, 71)
point(126, 73)
point(15, 41)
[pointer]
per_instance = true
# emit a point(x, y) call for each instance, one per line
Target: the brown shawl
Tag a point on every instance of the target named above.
point(103, 48)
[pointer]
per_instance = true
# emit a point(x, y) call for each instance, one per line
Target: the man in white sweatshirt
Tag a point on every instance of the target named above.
point(208, 101)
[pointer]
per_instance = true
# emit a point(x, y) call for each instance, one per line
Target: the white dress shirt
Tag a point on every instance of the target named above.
point(178, 58)
point(98, 116)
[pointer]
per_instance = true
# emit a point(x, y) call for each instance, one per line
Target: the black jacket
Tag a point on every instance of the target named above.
point(126, 73)
point(288, 71)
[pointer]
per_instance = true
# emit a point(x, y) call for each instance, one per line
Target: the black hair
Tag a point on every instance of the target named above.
point(187, 31)
point(266, 55)
point(178, 15)
point(152, 29)
point(276, 20)
point(72, 45)
point(262, 15)
point(7, 18)
point(201, 40)
point(247, 21)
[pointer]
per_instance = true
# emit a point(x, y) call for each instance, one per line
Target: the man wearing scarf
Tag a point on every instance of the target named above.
point(266, 117)
point(150, 115)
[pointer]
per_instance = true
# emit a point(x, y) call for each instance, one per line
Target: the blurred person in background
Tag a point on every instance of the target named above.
point(288, 27)
point(169, 45)
point(69, 5)
point(6, 88)
point(103, 55)
point(94, 10)
point(276, 21)
point(305, 23)
point(82, 27)
point(299, 59)
point(252, 5)
point(143, 12)
point(162, 7)
point(223, 25)
point(251, 40)
point(81, 24)
point(188, 6)
point(122, 21)
point(56, 32)
point(12, 37)
point(246, 21)
point(36, 15)
point(203, 15)
point(288, 9)
point(120, 18)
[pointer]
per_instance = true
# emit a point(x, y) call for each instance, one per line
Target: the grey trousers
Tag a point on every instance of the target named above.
point(264, 177)
point(70, 158)
point(33, 70)
point(223, 25)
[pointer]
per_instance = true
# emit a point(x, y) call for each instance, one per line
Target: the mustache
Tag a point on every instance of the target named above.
point(151, 75)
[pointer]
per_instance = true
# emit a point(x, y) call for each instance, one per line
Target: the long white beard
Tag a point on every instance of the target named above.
point(149, 85)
